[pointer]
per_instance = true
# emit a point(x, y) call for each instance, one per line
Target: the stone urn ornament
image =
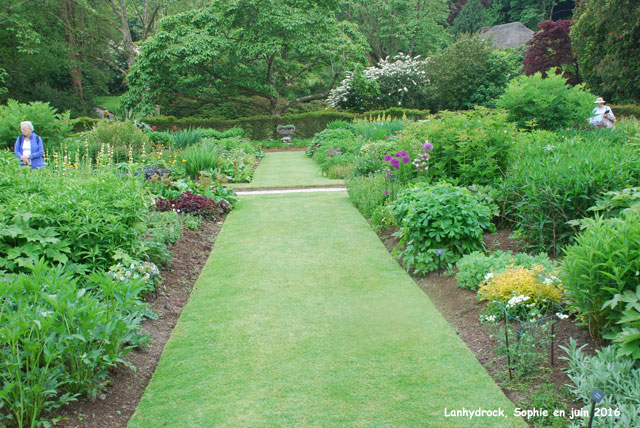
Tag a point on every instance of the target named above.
point(286, 131)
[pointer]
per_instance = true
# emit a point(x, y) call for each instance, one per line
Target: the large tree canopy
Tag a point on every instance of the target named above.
point(605, 36)
point(281, 52)
point(412, 27)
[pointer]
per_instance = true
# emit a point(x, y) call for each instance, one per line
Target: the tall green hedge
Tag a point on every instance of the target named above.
point(264, 127)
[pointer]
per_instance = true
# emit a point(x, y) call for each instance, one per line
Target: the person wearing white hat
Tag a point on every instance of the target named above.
point(602, 116)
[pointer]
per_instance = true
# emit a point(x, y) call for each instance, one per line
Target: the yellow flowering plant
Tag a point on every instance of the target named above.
point(528, 293)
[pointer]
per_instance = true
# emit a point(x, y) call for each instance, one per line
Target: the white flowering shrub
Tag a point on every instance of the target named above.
point(398, 82)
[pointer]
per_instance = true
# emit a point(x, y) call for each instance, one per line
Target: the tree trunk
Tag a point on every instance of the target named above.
point(120, 9)
point(75, 64)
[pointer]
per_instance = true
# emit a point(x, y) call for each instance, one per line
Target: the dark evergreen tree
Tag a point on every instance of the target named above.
point(471, 18)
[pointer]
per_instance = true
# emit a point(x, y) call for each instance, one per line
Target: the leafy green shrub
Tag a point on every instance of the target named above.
point(615, 203)
point(472, 146)
point(60, 336)
point(473, 268)
point(546, 103)
point(618, 377)
point(368, 193)
point(164, 227)
point(338, 124)
point(84, 123)
point(603, 263)
point(121, 136)
point(334, 139)
point(438, 216)
point(468, 73)
point(555, 178)
point(52, 126)
point(218, 135)
point(160, 138)
point(73, 217)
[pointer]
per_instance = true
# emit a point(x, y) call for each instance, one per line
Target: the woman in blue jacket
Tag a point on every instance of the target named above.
point(29, 147)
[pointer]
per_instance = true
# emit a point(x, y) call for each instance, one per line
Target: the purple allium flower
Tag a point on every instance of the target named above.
point(403, 153)
point(387, 158)
point(427, 145)
point(386, 192)
point(395, 163)
point(389, 175)
point(397, 154)
point(406, 159)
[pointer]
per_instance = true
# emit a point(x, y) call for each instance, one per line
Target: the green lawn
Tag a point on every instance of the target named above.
point(111, 103)
point(287, 169)
point(301, 318)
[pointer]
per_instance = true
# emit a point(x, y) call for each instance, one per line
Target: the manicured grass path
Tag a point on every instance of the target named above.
point(301, 318)
point(287, 169)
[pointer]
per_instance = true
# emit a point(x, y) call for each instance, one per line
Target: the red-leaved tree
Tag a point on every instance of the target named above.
point(551, 47)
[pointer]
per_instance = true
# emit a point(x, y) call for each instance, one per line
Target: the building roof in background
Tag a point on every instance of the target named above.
point(509, 35)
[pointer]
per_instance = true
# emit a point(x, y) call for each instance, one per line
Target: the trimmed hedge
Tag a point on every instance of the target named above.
point(264, 127)
point(626, 110)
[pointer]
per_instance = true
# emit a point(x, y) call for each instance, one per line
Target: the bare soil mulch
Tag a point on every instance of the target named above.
point(115, 405)
point(461, 308)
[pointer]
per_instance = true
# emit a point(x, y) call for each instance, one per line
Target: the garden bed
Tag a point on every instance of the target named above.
point(115, 405)
point(461, 308)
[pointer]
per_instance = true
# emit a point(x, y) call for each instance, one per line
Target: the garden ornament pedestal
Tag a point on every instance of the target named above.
point(286, 131)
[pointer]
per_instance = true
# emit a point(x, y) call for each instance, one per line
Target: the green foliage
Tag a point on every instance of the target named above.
point(255, 127)
point(469, 73)
point(615, 203)
point(201, 157)
point(223, 51)
point(377, 130)
point(184, 138)
point(472, 147)
point(604, 38)
point(626, 110)
point(52, 126)
point(438, 216)
point(471, 18)
point(333, 139)
point(165, 227)
point(367, 193)
point(600, 267)
point(628, 338)
point(618, 377)
point(60, 336)
point(473, 268)
point(555, 178)
point(84, 123)
point(527, 350)
point(74, 217)
point(122, 137)
point(398, 26)
point(546, 103)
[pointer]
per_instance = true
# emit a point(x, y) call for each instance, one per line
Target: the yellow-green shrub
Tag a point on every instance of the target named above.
point(520, 281)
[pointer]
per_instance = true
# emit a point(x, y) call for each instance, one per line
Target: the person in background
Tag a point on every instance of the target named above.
point(602, 116)
point(29, 147)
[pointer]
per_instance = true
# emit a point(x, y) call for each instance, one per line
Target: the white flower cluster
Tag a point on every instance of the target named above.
point(550, 280)
point(562, 316)
point(395, 77)
point(145, 270)
point(488, 276)
point(516, 300)
point(488, 318)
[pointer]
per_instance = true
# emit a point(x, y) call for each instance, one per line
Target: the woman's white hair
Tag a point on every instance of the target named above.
point(29, 124)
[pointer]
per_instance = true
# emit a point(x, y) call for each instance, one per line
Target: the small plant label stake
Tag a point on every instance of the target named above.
point(439, 252)
point(596, 397)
